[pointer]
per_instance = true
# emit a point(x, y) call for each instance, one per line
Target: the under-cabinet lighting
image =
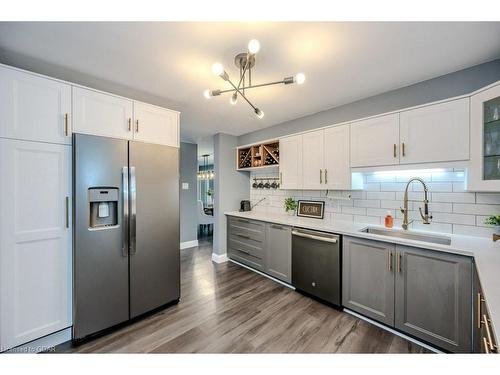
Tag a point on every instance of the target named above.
point(411, 172)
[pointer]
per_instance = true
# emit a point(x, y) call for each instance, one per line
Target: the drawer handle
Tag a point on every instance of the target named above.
point(488, 332)
point(244, 251)
point(485, 345)
point(242, 236)
point(243, 221)
point(277, 227)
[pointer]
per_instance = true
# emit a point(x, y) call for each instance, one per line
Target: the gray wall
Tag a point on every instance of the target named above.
point(230, 186)
point(443, 87)
point(189, 167)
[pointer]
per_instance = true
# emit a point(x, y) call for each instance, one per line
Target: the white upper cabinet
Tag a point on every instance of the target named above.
point(435, 133)
point(290, 164)
point(35, 240)
point(375, 141)
point(484, 171)
point(337, 171)
point(34, 108)
point(156, 125)
point(313, 160)
point(97, 113)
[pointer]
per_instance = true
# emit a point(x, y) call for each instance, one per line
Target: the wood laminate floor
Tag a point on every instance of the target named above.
point(226, 308)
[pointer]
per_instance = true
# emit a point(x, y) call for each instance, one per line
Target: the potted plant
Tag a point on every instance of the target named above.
point(290, 206)
point(210, 194)
point(495, 221)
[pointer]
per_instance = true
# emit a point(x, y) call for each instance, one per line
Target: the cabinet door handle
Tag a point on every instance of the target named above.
point(488, 332)
point(399, 262)
point(66, 126)
point(485, 345)
point(281, 178)
point(326, 176)
point(389, 261)
point(394, 150)
point(66, 208)
point(129, 124)
point(403, 148)
point(137, 126)
point(320, 176)
point(480, 299)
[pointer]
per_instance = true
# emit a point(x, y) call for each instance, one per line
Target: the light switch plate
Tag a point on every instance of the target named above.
point(185, 186)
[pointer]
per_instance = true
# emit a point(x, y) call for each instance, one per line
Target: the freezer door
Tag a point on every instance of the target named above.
point(101, 297)
point(154, 226)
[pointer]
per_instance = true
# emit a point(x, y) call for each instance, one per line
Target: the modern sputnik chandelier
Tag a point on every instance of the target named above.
point(245, 61)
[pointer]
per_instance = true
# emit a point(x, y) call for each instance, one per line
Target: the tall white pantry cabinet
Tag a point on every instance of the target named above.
point(37, 118)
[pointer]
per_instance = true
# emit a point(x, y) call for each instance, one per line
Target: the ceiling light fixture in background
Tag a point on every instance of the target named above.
point(245, 61)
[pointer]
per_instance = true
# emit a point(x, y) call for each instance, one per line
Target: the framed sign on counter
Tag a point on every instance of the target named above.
point(314, 209)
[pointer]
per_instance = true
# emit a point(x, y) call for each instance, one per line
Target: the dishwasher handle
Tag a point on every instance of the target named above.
point(330, 239)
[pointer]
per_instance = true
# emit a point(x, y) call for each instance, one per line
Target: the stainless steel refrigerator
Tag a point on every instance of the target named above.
point(126, 231)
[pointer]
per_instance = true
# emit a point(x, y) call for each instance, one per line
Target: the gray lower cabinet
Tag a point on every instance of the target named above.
point(368, 278)
point(424, 293)
point(434, 297)
point(263, 246)
point(278, 251)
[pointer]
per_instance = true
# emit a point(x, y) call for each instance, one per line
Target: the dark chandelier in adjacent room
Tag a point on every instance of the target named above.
point(245, 61)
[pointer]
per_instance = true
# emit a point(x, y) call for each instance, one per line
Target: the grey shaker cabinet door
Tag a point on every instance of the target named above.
point(368, 278)
point(434, 297)
point(278, 251)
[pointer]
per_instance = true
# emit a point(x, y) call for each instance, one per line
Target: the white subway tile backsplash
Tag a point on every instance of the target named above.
point(454, 210)
point(454, 197)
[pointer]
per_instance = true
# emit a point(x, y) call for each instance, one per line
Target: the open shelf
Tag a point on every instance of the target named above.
point(261, 155)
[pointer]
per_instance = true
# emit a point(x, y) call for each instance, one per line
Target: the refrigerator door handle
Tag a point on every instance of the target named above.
point(133, 211)
point(125, 211)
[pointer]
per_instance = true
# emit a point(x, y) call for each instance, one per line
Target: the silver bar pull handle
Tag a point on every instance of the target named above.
point(125, 211)
point(133, 211)
point(313, 237)
point(66, 205)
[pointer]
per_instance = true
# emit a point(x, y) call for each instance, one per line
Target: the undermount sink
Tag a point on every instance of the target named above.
point(415, 236)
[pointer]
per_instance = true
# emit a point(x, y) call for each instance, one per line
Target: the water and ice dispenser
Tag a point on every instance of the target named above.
point(103, 207)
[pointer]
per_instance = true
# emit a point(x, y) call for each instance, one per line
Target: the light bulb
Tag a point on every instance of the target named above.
point(253, 46)
point(233, 99)
point(259, 113)
point(207, 94)
point(300, 78)
point(217, 69)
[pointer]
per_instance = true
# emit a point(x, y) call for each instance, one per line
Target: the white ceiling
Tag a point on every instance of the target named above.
point(343, 62)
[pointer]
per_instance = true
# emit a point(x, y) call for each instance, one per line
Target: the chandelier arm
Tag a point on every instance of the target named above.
point(241, 94)
point(254, 86)
point(247, 64)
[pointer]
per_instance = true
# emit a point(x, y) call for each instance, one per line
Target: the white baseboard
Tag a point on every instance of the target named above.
point(188, 244)
point(46, 343)
point(219, 258)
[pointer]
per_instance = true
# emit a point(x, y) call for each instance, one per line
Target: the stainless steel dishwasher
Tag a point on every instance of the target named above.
point(316, 264)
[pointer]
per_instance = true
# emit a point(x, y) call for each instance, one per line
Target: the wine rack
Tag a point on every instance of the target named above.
point(258, 156)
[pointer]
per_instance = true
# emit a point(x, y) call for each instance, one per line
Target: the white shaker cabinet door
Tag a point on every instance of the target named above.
point(156, 125)
point(435, 133)
point(337, 169)
point(106, 115)
point(375, 141)
point(35, 240)
point(34, 108)
point(291, 162)
point(313, 177)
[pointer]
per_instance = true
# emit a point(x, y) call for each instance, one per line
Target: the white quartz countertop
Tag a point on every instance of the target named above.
point(485, 252)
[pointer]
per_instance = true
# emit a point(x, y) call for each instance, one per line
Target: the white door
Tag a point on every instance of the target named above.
point(35, 240)
point(336, 162)
point(96, 113)
point(312, 160)
point(435, 133)
point(156, 125)
point(484, 171)
point(291, 162)
point(375, 141)
point(34, 108)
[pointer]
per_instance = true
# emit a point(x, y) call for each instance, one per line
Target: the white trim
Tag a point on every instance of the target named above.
point(43, 343)
point(397, 333)
point(219, 258)
point(263, 274)
point(189, 244)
